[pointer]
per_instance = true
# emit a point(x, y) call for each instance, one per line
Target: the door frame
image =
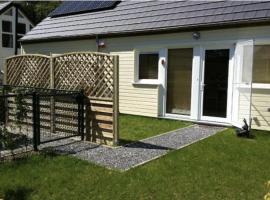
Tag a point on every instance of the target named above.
point(227, 119)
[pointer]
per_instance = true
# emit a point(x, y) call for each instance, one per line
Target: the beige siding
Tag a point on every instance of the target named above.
point(260, 109)
point(134, 100)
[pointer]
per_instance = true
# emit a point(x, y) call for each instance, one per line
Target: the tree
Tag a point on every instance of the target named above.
point(38, 10)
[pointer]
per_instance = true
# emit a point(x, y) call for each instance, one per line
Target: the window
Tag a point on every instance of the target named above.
point(7, 36)
point(148, 66)
point(8, 13)
point(7, 40)
point(7, 26)
point(261, 67)
point(21, 28)
point(30, 27)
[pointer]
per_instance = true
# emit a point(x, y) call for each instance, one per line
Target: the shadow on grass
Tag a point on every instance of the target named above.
point(19, 193)
point(49, 153)
point(143, 145)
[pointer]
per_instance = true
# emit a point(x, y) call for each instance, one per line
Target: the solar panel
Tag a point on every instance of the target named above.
point(76, 7)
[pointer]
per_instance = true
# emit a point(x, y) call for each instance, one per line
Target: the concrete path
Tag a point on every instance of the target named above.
point(135, 154)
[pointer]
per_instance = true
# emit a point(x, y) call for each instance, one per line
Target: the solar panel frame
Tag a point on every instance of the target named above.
point(79, 7)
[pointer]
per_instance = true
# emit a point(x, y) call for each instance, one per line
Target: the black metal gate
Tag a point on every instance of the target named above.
point(43, 115)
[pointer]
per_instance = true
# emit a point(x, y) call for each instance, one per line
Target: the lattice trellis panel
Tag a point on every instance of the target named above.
point(95, 73)
point(89, 71)
point(28, 70)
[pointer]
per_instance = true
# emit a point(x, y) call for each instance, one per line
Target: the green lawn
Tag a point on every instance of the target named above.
point(133, 128)
point(220, 167)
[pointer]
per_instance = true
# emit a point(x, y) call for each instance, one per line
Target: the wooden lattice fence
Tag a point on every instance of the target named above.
point(95, 73)
point(28, 70)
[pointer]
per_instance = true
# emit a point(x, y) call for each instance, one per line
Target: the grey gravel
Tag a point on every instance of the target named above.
point(135, 154)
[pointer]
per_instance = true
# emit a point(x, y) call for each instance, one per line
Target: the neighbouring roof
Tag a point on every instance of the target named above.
point(129, 17)
point(3, 5)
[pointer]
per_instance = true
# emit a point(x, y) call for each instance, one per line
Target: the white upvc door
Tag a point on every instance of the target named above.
point(209, 118)
point(242, 83)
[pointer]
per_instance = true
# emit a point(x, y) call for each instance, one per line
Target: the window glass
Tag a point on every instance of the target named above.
point(7, 26)
point(21, 28)
point(8, 12)
point(179, 80)
point(148, 66)
point(7, 40)
point(261, 64)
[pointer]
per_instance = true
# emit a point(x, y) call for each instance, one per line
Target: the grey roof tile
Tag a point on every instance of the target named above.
point(135, 16)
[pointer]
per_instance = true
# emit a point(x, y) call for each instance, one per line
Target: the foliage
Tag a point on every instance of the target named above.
point(9, 140)
point(21, 106)
point(221, 167)
point(38, 10)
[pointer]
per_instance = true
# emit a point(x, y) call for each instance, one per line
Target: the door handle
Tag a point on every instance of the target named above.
point(202, 86)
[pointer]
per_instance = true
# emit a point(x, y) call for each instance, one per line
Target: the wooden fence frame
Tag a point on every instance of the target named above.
point(114, 65)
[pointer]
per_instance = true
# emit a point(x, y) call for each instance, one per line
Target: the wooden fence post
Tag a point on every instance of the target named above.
point(5, 83)
point(115, 100)
point(52, 86)
point(5, 73)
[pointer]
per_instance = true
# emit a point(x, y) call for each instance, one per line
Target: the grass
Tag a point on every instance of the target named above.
point(220, 167)
point(134, 128)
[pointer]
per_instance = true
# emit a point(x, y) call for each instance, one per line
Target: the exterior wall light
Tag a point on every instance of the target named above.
point(101, 44)
point(163, 61)
point(196, 35)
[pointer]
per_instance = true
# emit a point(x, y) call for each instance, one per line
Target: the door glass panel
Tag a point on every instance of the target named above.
point(179, 77)
point(216, 83)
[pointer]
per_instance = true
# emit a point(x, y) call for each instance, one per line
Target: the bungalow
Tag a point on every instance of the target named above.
point(203, 61)
point(14, 25)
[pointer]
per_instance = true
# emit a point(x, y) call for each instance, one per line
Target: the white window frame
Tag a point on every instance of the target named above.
point(256, 85)
point(138, 81)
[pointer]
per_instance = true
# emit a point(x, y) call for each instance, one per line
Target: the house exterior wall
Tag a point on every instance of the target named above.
point(145, 98)
point(6, 52)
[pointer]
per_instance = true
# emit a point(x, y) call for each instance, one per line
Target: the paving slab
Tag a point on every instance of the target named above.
point(134, 154)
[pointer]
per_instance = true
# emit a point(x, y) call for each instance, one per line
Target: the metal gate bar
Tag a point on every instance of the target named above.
point(45, 113)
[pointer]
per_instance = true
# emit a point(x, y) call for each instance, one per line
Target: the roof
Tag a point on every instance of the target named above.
point(3, 5)
point(78, 7)
point(130, 17)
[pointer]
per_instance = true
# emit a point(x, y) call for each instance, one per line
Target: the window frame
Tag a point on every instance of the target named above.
point(138, 81)
point(11, 43)
point(11, 25)
point(263, 86)
point(259, 84)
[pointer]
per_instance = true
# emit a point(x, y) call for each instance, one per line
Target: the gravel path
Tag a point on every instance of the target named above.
point(138, 153)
